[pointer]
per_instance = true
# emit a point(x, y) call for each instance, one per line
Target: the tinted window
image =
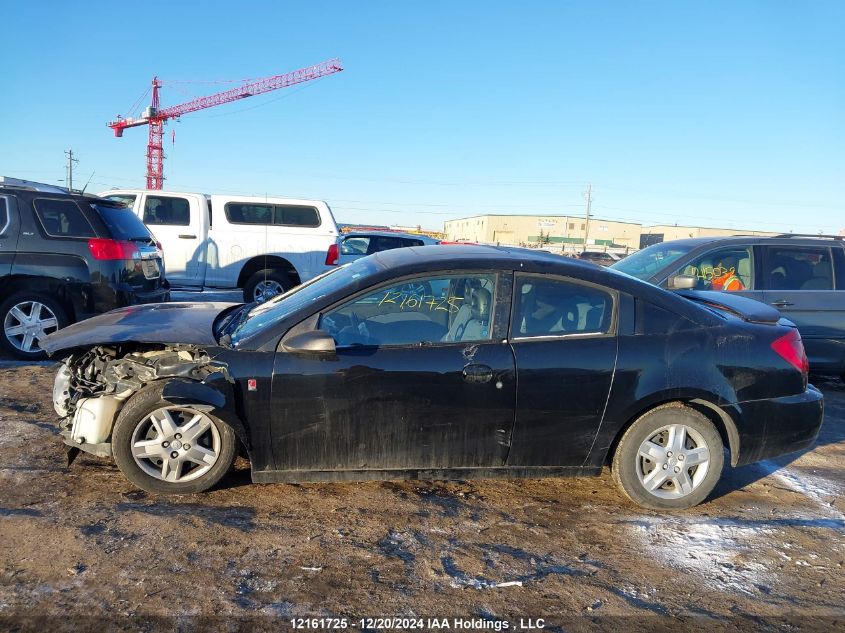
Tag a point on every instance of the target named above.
point(160, 210)
point(122, 223)
point(552, 307)
point(4, 215)
point(283, 215)
point(793, 268)
point(443, 308)
point(296, 216)
point(62, 218)
point(383, 243)
point(126, 198)
point(354, 246)
point(728, 269)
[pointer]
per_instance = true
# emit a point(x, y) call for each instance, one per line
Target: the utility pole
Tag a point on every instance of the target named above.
point(69, 168)
point(589, 196)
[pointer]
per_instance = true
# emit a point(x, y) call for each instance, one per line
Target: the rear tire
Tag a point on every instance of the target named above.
point(168, 448)
point(27, 317)
point(265, 284)
point(669, 459)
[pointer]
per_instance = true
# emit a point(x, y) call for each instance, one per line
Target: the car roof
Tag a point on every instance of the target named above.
point(412, 236)
point(694, 242)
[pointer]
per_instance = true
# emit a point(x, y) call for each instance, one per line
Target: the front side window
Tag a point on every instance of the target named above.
point(794, 268)
point(434, 309)
point(62, 218)
point(354, 246)
point(547, 306)
point(725, 269)
point(161, 210)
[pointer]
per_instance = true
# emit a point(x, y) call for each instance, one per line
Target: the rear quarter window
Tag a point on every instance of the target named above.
point(62, 218)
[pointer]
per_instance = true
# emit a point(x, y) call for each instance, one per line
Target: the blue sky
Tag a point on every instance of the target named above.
point(712, 113)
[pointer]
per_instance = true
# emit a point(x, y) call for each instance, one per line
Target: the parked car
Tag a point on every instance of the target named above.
point(263, 245)
point(513, 364)
point(360, 244)
point(802, 276)
point(65, 257)
point(599, 257)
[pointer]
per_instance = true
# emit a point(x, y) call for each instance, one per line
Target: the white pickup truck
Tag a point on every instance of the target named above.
point(261, 244)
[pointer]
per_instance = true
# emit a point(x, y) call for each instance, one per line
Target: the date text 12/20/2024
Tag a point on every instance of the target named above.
point(420, 624)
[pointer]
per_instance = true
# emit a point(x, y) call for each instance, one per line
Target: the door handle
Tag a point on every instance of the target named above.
point(478, 373)
point(187, 237)
point(782, 303)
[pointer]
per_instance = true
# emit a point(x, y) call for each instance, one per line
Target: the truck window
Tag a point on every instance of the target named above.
point(289, 215)
point(161, 210)
point(276, 214)
point(126, 198)
point(248, 213)
point(62, 218)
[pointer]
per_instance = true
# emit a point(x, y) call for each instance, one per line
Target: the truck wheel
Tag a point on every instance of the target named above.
point(27, 317)
point(266, 284)
point(669, 459)
point(168, 448)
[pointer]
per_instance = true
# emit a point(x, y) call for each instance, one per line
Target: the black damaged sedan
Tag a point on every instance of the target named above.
point(442, 362)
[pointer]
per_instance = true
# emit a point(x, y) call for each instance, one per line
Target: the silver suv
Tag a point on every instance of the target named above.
point(803, 276)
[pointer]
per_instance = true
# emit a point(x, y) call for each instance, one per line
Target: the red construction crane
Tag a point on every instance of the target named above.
point(154, 116)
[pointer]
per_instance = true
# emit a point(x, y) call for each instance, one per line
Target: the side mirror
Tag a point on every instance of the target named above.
point(682, 282)
point(313, 343)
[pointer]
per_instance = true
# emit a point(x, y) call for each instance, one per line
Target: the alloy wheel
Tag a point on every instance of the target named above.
point(673, 461)
point(175, 444)
point(28, 322)
point(267, 289)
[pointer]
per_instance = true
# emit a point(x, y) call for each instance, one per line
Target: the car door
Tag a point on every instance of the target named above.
point(563, 334)
point(800, 282)
point(419, 381)
point(176, 223)
point(9, 231)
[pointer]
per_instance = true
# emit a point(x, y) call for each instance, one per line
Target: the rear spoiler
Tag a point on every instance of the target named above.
point(742, 307)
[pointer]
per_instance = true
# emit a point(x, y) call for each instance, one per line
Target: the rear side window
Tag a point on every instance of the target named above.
point(798, 268)
point(726, 269)
point(4, 216)
point(553, 307)
point(382, 243)
point(277, 214)
point(122, 223)
point(161, 210)
point(62, 218)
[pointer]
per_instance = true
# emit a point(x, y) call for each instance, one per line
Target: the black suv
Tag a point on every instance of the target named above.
point(803, 276)
point(67, 256)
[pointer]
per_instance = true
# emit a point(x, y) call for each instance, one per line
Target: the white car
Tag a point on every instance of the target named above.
point(263, 245)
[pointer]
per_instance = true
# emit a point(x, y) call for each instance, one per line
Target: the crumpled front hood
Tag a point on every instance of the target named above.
point(188, 323)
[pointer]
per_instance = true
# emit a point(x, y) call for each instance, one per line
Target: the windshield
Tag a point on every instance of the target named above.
point(309, 293)
point(648, 262)
point(122, 223)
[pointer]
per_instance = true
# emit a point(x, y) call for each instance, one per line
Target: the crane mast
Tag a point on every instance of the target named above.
point(155, 116)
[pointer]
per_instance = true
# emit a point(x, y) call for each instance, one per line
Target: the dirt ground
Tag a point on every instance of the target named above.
point(84, 550)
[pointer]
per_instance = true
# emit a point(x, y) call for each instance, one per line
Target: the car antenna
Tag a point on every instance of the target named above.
point(87, 183)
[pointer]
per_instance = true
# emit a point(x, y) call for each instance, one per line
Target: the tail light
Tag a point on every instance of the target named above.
point(113, 249)
point(791, 349)
point(333, 255)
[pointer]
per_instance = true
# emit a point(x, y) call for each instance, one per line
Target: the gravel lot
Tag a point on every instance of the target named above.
point(84, 549)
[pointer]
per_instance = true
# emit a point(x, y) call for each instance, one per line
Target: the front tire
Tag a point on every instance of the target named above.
point(266, 284)
point(669, 459)
point(25, 319)
point(168, 448)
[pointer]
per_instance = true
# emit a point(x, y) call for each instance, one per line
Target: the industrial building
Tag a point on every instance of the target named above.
point(568, 232)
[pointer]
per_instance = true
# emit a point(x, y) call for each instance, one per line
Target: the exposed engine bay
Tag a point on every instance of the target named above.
point(92, 386)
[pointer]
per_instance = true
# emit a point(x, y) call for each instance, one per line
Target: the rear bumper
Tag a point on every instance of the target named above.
point(788, 424)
